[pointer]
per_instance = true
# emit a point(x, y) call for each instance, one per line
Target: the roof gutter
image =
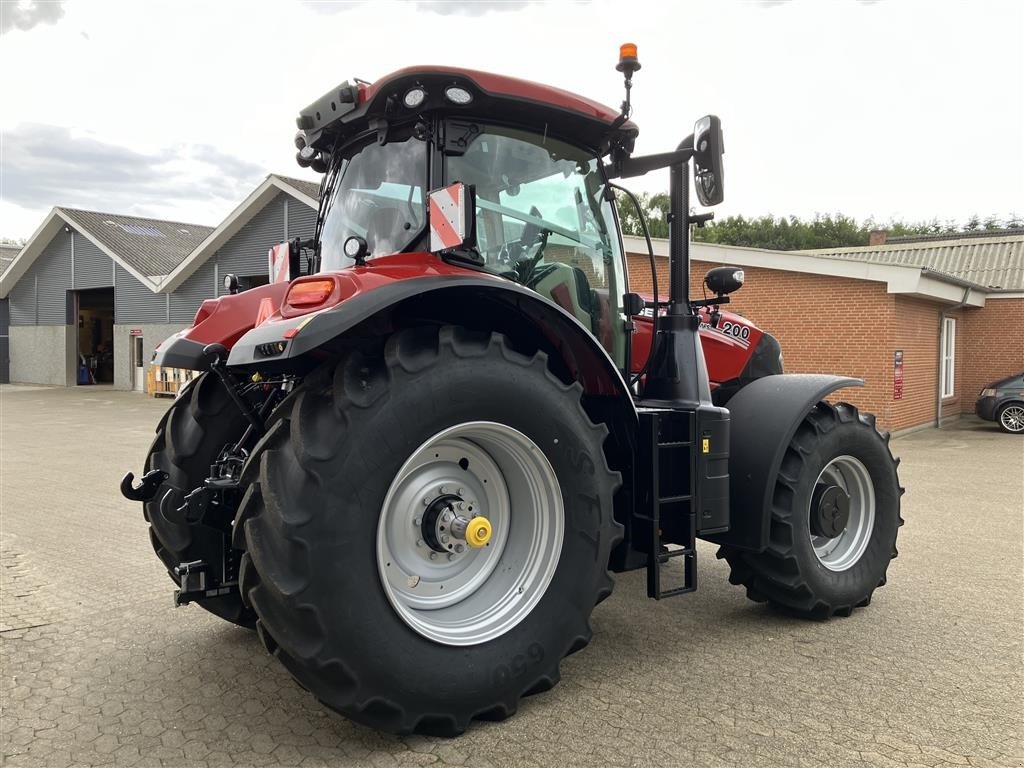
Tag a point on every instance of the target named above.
point(954, 280)
point(938, 379)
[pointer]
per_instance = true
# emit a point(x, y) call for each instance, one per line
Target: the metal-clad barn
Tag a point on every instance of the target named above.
point(7, 255)
point(91, 294)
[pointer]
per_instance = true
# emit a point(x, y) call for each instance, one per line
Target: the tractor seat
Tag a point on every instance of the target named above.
point(568, 287)
point(383, 231)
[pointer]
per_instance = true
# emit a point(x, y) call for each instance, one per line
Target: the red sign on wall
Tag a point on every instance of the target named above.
point(135, 332)
point(897, 375)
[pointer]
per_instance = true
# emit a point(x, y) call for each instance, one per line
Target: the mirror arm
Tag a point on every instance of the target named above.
point(712, 302)
point(627, 167)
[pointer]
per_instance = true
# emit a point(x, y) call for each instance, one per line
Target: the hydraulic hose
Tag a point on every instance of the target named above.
point(654, 278)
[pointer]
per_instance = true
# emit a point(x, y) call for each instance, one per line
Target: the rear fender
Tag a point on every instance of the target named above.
point(764, 416)
point(478, 303)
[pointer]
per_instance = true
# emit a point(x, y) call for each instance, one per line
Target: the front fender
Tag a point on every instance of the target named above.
point(764, 416)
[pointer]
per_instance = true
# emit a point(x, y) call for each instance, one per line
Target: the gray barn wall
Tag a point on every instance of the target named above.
point(43, 354)
point(40, 296)
point(69, 262)
point(281, 219)
point(301, 219)
point(200, 285)
point(93, 268)
point(152, 334)
point(134, 302)
point(5, 345)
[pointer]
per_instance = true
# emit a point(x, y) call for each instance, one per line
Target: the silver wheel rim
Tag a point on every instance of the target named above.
point(470, 597)
point(844, 551)
point(1012, 418)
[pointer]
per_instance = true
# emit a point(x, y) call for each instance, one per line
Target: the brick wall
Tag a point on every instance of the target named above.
point(824, 324)
point(917, 334)
point(994, 341)
point(853, 327)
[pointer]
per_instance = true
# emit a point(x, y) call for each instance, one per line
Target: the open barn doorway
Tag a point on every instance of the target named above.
point(95, 312)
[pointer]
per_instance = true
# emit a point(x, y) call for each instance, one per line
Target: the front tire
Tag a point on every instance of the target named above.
point(337, 565)
point(197, 426)
point(1011, 418)
point(834, 519)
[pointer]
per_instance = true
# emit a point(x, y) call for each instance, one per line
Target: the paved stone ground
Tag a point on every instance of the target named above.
point(98, 668)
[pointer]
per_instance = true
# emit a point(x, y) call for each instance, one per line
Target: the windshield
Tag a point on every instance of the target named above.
point(542, 220)
point(378, 196)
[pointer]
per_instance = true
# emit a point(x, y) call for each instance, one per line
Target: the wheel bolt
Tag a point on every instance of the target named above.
point(459, 548)
point(419, 542)
point(433, 555)
point(444, 539)
point(416, 521)
point(451, 556)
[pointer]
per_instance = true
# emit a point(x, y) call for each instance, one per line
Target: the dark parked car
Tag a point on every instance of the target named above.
point(1003, 402)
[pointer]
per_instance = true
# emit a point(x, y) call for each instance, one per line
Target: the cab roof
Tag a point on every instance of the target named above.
point(351, 109)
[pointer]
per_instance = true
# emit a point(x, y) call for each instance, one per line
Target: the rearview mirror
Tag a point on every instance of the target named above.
point(708, 149)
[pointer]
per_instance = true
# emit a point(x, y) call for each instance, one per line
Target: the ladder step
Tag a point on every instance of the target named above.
point(654, 565)
point(674, 499)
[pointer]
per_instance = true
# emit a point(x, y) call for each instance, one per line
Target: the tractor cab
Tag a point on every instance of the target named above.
point(542, 216)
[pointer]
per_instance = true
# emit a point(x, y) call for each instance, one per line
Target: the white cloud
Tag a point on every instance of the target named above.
point(25, 15)
point(884, 109)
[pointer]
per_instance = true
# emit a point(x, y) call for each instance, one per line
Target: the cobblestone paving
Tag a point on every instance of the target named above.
point(99, 669)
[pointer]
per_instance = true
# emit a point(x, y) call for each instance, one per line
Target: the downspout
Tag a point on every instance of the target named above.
point(938, 379)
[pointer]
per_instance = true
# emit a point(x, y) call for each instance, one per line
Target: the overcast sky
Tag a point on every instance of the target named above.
point(178, 109)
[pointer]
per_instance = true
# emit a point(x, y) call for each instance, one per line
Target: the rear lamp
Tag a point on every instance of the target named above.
point(457, 95)
point(414, 97)
point(309, 293)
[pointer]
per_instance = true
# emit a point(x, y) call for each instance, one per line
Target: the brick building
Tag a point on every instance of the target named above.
point(954, 308)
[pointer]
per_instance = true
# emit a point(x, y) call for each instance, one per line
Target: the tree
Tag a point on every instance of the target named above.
point(793, 233)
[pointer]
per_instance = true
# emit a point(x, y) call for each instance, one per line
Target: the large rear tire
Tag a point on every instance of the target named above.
point(347, 595)
point(199, 423)
point(834, 519)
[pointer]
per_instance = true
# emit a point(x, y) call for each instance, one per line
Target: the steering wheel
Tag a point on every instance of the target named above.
point(533, 236)
point(531, 232)
point(527, 266)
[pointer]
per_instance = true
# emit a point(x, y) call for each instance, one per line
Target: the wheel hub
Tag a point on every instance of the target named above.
point(841, 513)
point(456, 564)
point(830, 511)
point(445, 529)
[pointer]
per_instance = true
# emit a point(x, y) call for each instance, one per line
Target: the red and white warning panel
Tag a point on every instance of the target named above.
point(450, 211)
point(278, 263)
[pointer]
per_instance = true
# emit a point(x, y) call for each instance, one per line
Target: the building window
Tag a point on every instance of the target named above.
point(948, 363)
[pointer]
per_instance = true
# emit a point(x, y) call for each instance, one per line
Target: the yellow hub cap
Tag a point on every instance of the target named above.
point(478, 532)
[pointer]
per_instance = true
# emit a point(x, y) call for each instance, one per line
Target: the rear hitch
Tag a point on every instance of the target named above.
point(192, 578)
point(148, 485)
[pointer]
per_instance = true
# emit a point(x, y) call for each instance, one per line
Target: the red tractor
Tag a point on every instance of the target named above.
point(413, 465)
